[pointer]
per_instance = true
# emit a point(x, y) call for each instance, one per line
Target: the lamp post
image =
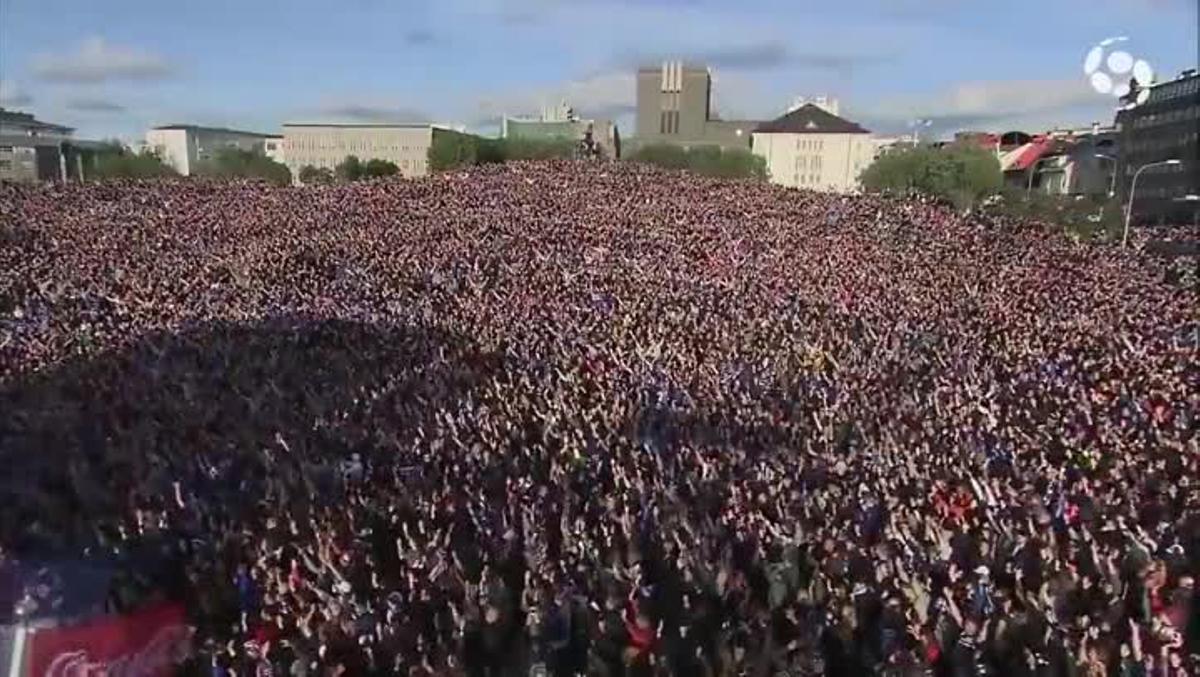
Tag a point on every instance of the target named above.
point(1133, 192)
point(1112, 183)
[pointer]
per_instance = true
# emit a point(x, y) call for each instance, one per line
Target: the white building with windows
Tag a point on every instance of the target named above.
point(325, 145)
point(183, 147)
point(811, 148)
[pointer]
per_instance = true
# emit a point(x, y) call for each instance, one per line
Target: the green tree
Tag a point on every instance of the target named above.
point(114, 162)
point(236, 163)
point(731, 163)
point(350, 169)
point(310, 175)
point(451, 150)
point(964, 175)
point(376, 168)
point(537, 149)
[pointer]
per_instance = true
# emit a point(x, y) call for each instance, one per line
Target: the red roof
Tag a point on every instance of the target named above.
point(1022, 158)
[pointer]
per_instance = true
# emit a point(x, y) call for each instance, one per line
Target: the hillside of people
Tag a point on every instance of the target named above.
point(589, 418)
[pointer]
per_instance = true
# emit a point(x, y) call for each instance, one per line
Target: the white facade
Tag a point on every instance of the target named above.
point(824, 162)
point(273, 148)
point(324, 146)
point(184, 146)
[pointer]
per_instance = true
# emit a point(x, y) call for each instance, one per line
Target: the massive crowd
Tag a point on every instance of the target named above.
point(602, 419)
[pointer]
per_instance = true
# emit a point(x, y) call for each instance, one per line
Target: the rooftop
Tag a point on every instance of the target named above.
point(810, 119)
point(27, 119)
point(201, 128)
point(353, 125)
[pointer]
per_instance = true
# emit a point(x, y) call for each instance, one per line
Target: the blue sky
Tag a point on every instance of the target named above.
point(116, 67)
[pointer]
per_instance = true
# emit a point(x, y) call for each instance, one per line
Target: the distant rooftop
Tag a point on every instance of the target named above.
point(810, 119)
point(27, 119)
point(201, 128)
point(406, 125)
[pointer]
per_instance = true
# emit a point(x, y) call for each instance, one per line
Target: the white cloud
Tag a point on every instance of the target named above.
point(995, 104)
point(11, 95)
point(96, 60)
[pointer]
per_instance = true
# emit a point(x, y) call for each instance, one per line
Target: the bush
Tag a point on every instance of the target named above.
point(310, 175)
point(451, 150)
point(349, 169)
point(117, 163)
point(377, 168)
point(1092, 217)
point(963, 175)
point(235, 163)
point(730, 163)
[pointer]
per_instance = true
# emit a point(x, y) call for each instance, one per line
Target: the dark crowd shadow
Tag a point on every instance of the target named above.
point(100, 435)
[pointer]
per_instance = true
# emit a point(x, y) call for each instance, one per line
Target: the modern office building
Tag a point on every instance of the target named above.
point(1164, 127)
point(32, 150)
point(674, 105)
point(183, 147)
point(814, 149)
point(325, 145)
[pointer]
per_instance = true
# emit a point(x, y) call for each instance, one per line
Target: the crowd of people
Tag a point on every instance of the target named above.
point(604, 419)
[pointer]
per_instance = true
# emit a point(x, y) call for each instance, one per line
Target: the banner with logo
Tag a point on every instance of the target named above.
point(145, 644)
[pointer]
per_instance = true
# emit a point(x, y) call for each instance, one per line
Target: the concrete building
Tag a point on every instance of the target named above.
point(1166, 126)
point(811, 148)
point(32, 150)
point(674, 105)
point(183, 147)
point(324, 146)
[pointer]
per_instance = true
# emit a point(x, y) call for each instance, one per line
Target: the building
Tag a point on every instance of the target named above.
point(1164, 127)
point(674, 105)
point(811, 148)
point(324, 146)
point(1075, 162)
point(184, 147)
point(560, 122)
point(32, 150)
point(273, 148)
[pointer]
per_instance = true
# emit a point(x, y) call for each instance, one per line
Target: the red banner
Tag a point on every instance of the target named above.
point(146, 644)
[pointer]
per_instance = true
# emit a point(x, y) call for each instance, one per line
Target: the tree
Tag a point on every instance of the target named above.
point(963, 175)
point(377, 168)
point(310, 176)
point(730, 163)
point(451, 150)
point(349, 169)
point(114, 162)
point(236, 163)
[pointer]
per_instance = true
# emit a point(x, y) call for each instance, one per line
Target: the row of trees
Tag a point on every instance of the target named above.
point(730, 163)
point(115, 162)
point(348, 170)
point(454, 150)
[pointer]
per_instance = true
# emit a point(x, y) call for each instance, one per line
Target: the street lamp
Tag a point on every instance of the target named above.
point(1112, 184)
point(1133, 192)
